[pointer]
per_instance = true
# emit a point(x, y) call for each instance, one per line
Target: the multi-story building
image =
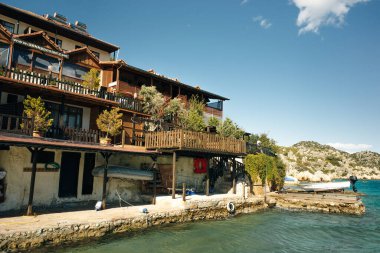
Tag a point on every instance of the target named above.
point(47, 57)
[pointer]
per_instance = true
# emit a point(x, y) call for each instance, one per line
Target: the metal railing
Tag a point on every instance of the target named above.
point(64, 85)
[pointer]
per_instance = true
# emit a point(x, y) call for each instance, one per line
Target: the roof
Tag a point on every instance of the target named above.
point(55, 27)
point(5, 31)
point(41, 34)
point(83, 50)
point(28, 141)
point(163, 78)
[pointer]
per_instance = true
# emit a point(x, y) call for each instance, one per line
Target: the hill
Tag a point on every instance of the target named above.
point(308, 160)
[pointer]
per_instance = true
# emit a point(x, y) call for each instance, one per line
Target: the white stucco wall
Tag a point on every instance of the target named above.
point(47, 183)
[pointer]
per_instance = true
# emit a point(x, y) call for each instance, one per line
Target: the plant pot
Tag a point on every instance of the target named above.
point(105, 141)
point(37, 134)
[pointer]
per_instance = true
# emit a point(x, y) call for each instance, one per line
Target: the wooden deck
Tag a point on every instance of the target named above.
point(194, 141)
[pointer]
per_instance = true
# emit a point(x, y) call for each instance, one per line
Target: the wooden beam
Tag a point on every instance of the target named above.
point(106, 157)
point(233, 176)
point(183, 191)
point(174, 175)
point(154, 184)
point(34, 152)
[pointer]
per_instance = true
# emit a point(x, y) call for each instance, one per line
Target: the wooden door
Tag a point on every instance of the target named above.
point(68, 178)
point(88, 178)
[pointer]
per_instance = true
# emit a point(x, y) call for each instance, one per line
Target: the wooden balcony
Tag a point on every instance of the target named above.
point(38, 79)
point(12, 124)
point(194, 141)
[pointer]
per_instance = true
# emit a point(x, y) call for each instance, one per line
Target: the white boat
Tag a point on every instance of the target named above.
point(290, 180)
point(330, 186)
point(2, 174)
point(123, 172)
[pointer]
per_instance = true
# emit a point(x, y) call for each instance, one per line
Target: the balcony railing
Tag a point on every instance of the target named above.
point(194, 141)
point(12, 124)
point(43, 80)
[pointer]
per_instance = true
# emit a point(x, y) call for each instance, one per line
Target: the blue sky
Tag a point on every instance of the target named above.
point(295, 69)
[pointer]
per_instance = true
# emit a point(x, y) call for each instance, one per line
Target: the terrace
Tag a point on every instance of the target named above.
point(32, 79)
point(165, 140)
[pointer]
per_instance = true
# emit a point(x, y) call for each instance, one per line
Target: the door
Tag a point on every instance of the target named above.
point(68, 178)
point(88, 178)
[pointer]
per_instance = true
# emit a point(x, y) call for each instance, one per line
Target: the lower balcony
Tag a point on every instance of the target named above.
point(12, 124)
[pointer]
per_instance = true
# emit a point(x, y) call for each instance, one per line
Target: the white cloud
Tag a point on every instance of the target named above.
point(349, 147)
point(264, 23)
point(316, 13)
point(243, 2)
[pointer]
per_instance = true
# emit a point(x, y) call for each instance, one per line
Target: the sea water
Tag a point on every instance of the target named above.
point(267, 231)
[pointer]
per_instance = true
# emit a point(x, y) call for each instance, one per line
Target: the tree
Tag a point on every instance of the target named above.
point(264, 167)
point(175, 110)
point(214, 122)
point(194, 120)
point(267, 145)
point(152, 101)
point(110, 122)
point(35, 108)
point(230, 129)
point(91, 79)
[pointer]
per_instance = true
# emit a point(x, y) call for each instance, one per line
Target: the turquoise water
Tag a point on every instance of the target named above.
point(268, 231)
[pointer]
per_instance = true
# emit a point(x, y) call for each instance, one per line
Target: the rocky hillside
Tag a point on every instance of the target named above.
point(312, 161)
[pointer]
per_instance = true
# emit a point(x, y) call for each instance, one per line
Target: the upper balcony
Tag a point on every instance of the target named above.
point(38, 80)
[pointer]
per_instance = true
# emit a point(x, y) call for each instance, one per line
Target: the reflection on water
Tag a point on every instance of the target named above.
point(268, 231)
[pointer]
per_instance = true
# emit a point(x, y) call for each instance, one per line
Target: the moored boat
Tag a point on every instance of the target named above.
point(116, 171)
point(329, 186)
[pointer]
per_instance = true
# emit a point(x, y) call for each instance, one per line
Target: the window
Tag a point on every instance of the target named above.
point(22, 56)
point(73, 70)
point(56, 41)
point(9, 26)
point(43, 62)
point(44, 157)
point(70, 117)
point(96, 54)
point(4, 51)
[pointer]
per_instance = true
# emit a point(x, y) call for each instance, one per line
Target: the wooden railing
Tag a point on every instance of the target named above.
point(195, 141)
point(43, 80)
point(74, 134)
point(12, 124)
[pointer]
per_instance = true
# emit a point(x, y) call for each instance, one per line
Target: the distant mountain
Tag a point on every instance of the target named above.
point(309, 160)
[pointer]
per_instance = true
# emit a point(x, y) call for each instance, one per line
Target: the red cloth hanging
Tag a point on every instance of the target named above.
point(200, 165)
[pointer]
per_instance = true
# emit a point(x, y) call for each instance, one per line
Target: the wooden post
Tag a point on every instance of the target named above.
point(183, 191)
point(106, 156)
point(34, 153)
point(234, 176)
point(208, 186)
point(133, 130)
point(123, 138)
point(174, 175)
point(243, 190)
point(154, 187)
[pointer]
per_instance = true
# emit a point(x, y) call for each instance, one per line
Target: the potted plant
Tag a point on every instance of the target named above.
point(91, 80)
point(34, 108)
point(109, 122)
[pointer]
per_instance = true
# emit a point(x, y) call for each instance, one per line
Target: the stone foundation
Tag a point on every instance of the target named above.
point(320, 203)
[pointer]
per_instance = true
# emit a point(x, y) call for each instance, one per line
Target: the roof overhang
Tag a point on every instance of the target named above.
point(53, 27)
point(163, 78)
